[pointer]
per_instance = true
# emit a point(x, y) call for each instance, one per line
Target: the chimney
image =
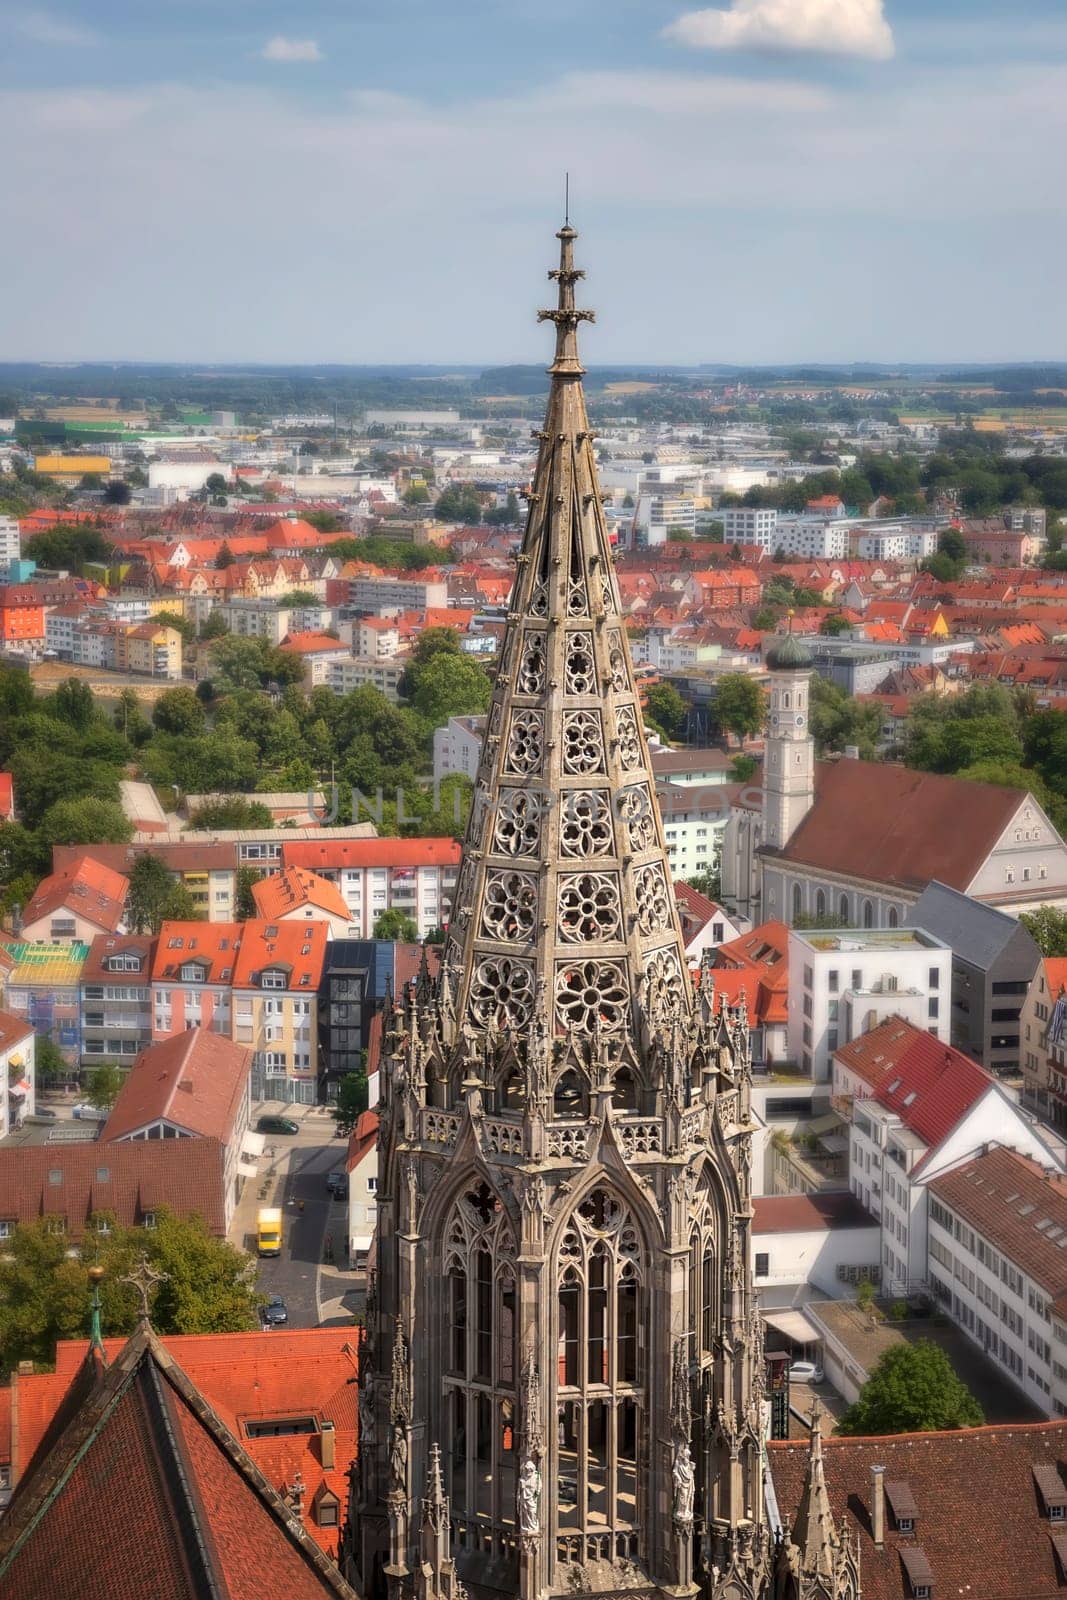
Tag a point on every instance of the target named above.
point(878, 1506)
point(327, 1446)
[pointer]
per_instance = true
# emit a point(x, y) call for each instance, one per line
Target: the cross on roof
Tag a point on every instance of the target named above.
point(144, 1278)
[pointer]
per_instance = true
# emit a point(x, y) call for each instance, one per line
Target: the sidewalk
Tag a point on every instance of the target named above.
point(341, 1293)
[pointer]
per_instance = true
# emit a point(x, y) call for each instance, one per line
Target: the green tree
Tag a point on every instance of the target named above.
point(231, 811)
point(666, 709)
point(245, 907)
point(174, 619)
point(450, 686)
point(225, 558)
point(834, 625)
point(50, 1064)
point(73, 703)
point(68, 547)
point(214, 627)
point(740, 705)
point(209, 1287)
point(706, 883)
point(1049, 927)
point(352, 1098)
point(154, 897)
point(458, 504)
point(324, 521)
point(743, 768)
point(396, 925)
point(951, 543)
point(215, 483)
point(85, 821)
point(117, 493)
point(179, 711)
point(416, 494)
point(130, 719)
point(912, 1389)
point(1045, 747)
point(103, 1084)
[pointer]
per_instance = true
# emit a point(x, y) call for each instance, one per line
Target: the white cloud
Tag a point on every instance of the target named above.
point(833, 27)
point(43, 28)
point(281, 49)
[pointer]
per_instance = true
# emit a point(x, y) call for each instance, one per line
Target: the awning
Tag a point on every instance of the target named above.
point(360, 1243)
point(252, 1145)
point(21, 1089)
point(794, 1325)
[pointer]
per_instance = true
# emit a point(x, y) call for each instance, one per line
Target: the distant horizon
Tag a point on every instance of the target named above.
point(465, 369)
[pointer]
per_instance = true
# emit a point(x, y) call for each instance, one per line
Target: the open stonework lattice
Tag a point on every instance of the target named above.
point(581, 665)
point(502, 992)
point(589, 907)
point(509, 910)
point(585, 823)
point(653, 899)
point(583, 742)
point(533, 666)
point(635, 809)
point(617, 660)
point(591, 994)
point(629, 739)
point(662, 982)
point(518, 823)
point(525, 741)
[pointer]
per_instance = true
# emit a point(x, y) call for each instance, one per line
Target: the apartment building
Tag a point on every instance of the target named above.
point(694, 826)
point(343, 673)
point(998, 1265)
point(192, 976)
point(44, 988)
point(361, 1164)
point(116, 998)
point(75, 903)
point(1044, 1027)
point(915, 1108)
point(749, 525)
point(276, 978)
point(296, 895)
point(843, 982)
point(149, 650)
point(414, 876)
point(375, 595)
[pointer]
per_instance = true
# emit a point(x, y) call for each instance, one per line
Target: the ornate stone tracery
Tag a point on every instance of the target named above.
point(589, 907)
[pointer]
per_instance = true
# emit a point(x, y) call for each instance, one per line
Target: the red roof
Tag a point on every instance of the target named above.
point(107, 947)
point(306, 644)
point(282, 893)
point(333, 854)
point(7, 797)
point(297, 949)
point(211, 945)
point(1018, 1206)
point(129, 1179)
point(13, 1029)
point(808, 1213)
point(362, 1139)
point(88, 889)
point(930, 1085)
point(194, 1080)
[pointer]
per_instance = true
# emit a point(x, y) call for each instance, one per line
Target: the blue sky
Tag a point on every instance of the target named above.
point(379, 180)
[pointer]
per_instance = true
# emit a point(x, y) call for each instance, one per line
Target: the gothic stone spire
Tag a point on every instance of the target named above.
point(564, 906)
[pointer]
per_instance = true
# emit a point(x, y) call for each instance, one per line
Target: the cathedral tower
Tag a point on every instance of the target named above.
point(563, 1304)
point(789, 753)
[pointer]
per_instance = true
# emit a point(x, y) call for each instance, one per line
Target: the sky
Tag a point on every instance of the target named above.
point(379, 180)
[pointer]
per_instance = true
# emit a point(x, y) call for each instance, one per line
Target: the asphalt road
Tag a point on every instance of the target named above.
point(294, 1274)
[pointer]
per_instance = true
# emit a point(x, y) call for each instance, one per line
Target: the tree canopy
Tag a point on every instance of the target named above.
point(740, 705)
point(912, 1389)
point(1048, 924)
point(396, 925)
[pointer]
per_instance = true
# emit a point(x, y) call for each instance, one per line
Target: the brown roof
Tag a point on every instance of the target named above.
point(979, 1523)
point(126, 1179)
point(808, 1213)
point(106, 945)
point(12, 1030)
point(884, 823)
point(1018, 1206)
point(194, 855)
point(194, 1080)
point(197, 1515)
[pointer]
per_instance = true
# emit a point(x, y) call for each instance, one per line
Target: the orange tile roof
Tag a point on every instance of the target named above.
point(87, 888)
point(304, 644)
point(362, 1139)
point(298, 949)
point(213, 945)
point(194, 1080)
point(282, 893)
point(333, 854)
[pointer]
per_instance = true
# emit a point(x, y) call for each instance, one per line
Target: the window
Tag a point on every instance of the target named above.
point(932, 1006)
point(831, 980)
point(763, 1263)
point(935, 978)
point(149, 1219)
point(868, 914)
point(272, 979)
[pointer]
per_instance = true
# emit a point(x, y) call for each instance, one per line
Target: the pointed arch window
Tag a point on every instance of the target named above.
point(569, 1098)
point(842, 909)
point(479, 1361)
point(797, 901)
point(602, 1342)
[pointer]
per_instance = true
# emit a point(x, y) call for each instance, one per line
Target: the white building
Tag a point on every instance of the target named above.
point(694, 825)
point(377, 595)
point(826, 1242)
point(18, 1076)
point(413, 876)
point(10, 541)
point(811, 538)
point(998, 1265)
point(917, 1108)
point(362, 1167)
point(343, 673)
point(665, 504)
point(749, 525)
point(844, 982)
point(457, 747)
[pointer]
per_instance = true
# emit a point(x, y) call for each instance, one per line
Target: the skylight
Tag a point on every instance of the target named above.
point(1024, 1211)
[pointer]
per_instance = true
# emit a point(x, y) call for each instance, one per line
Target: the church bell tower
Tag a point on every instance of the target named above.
point(789, 751)
point(562, 1373)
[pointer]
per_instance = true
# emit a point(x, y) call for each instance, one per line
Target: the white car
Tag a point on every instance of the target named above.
point(806, 1372)
point(88, 1113)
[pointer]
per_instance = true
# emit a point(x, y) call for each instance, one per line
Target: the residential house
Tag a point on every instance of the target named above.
point(75, 903)
point(149, 649)
point(915, 1107)
point(319, 653)
point(704, 924)
point(87, 1188)
point(192, 976)
point(1044, 1028)
point(116, 998)
point(297, 895)
point(995, 960)
point(844, 982)
point(276, 977)
point(755, 966)
point(414, 876)
point(194, 1085)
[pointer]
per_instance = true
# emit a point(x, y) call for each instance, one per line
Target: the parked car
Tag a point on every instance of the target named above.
point(275, 1312)
point(806, 1372)
point(90, 1113)
point(337, 1185)
point(277, 1125)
